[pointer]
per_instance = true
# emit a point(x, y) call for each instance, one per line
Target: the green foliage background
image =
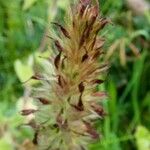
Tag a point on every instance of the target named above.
point(22, 26)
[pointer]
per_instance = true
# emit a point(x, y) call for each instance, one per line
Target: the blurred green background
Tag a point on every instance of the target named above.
point(24, 25)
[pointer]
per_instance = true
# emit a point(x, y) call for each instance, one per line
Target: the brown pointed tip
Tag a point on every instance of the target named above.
point(94, 11)
point(99, 43)
point(26, 112)
point(80, 103)
point(85, 2)
point(58, 45)
point(57, 60)
point(100, 94)
point(59, 118)
point(96, 55)
point(104, 22)
point(49, 37)
point(81, 87)
point(61, 81)
point(63, 30)
point(35, 139)
point(34, 77)
point(85, 57)
point(98, 109)
point(97, 81)
point(44, 101)
point(79, 106)
point(92, 132)
point(80, 9)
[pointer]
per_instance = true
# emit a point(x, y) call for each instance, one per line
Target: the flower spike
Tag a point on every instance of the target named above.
point(67, 104)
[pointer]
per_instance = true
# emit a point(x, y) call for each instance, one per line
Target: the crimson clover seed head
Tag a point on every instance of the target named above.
point(67, 101)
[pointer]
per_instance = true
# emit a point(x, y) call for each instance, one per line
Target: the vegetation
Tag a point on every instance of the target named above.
point(24, 27)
